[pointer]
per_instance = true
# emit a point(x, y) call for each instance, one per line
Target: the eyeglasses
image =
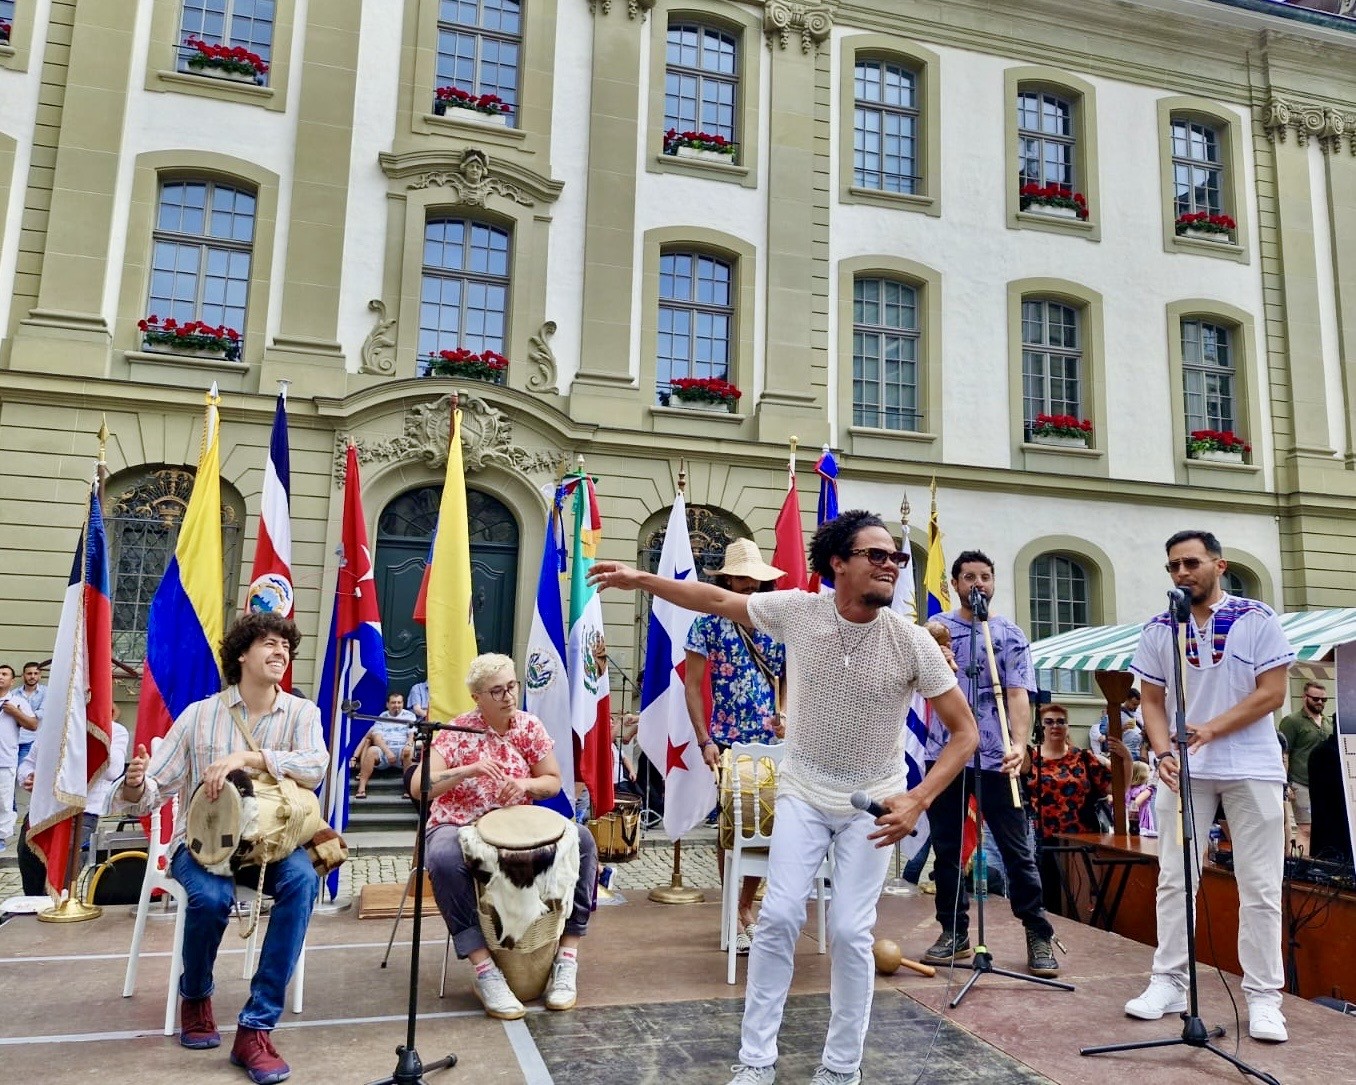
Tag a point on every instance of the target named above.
point(1189, 564)
point(500, 692)
point(878, 556)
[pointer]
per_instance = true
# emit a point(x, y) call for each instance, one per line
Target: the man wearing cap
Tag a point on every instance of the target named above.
point(748, 671)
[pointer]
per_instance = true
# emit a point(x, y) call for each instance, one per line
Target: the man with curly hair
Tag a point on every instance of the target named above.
point(853, 665)
point(206, 744)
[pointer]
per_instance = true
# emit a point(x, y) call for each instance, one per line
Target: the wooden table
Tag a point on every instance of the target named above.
point(1113, 880)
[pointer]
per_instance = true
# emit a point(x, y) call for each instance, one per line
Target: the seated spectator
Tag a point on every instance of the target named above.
point(387, 745)
point(418, 700)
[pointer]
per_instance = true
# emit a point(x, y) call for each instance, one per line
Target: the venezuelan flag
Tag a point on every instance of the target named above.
point(451, 636)
point(934, 576)
point(184, 629)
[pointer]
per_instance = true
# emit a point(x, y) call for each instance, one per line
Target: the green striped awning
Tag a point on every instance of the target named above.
point(1313, 634)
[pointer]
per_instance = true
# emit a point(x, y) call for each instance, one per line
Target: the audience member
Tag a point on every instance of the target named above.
point(1304, 731)
point(386, 745)
point(16, 719)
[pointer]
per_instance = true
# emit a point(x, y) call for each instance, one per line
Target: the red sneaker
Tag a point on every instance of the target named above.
point(255, 1052)
point(197, 1029)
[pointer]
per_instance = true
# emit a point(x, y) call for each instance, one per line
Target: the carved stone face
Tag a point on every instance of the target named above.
point(473, 169)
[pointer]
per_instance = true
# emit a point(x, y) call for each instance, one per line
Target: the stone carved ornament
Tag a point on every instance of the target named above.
point(378, 351)
point(635, 9)
point(472, 182)
point(486, 439)
point(540, 354)
point(1324, 123)
point(813, 22)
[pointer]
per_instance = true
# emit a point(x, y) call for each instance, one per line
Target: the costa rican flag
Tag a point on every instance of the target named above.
point(271, 579)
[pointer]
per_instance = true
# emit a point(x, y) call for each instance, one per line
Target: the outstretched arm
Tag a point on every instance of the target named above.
point(689, 594)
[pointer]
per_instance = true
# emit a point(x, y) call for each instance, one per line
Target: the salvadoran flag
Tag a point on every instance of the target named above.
point(184, 625)
point(73, 744)
point(665, 731)
point(354, 671)
point(586, 653)
point(546, 683)
point(826, 467)
point(271, 578)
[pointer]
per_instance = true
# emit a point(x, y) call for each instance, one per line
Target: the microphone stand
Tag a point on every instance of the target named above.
point(982, 962)
point(1194, 1031)
point(410, 1069)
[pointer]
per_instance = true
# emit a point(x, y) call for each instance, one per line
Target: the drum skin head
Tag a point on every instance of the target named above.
point(519, 827)
point(213, 827)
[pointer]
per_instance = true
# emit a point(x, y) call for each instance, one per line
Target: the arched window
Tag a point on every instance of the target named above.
point(1208, 376)
point(203, 247)
point(480, 44)
point(1046, 139)
point(885, 341)
point(696, 318)
point(1239, 581)
point(1060, 592)
point(464, 291)
point(145, 511)
point(701, 80)
point(1197, 168)
point(1052, 361)
point(885, 143)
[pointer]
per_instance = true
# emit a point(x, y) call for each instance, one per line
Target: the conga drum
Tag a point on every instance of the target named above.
point(617, 833)
point(525, 862)
point(757, 796)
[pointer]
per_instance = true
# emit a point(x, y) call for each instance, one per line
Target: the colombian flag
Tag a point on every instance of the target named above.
point(184, 628)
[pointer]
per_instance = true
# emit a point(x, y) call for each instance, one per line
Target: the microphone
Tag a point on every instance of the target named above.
point(862, 801)
point(979, 603)
point(1179, 603)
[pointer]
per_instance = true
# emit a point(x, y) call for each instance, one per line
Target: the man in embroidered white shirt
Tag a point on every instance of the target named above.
point(204, 746)
point(1235, 673)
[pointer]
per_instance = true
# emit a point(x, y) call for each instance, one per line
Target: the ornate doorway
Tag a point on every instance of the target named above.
point(404, 533)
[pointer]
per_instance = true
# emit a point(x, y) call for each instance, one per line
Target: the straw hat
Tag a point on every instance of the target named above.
point(743, 559)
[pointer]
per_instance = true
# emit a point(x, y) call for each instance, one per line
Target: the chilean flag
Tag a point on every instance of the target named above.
point(355, 657)
point(665, 731)
point(271, 579)
point(72, 746)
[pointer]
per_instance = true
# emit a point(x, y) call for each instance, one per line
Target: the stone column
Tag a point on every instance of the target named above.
point(604, 389)
point(306, 349)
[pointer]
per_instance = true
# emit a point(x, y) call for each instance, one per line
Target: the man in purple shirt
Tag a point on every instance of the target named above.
point(1004, 821)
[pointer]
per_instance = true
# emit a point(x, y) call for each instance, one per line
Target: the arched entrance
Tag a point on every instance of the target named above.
point(404, 533)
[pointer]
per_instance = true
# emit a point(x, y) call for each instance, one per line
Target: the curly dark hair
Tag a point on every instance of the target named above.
point(245, 631)
point(834, 538)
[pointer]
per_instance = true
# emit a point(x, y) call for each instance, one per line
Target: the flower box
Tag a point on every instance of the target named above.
point(1217, 455)
point(1053, 211)
point(701, 154)
point(1203, 226)
point(704, 394)
point(479, 108)
point(207, 354)
point(724, 406)
point(472, 116)
point(231, 62)
point(1206, 235)
point(702, 146)
point(191, 339)
point(230, 77)
point(463, 364)
point(1052, 201)
point(1058, 440)
point(5, 30)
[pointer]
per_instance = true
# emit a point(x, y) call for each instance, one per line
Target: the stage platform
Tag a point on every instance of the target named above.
point(653, 1008)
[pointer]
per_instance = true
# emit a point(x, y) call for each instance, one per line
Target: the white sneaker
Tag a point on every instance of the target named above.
point(493, 990)
point(752, 1075)
point(1266, 1022)
point(744, 940)
point(825, 1076)
point(1163, 995)
point(561, 990)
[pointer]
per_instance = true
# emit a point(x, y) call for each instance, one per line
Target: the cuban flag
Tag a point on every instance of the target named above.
point(826, 467)
point(546, 683)
point(665, 731)
point(355, 657)
point(73, 745)
point(271, 578)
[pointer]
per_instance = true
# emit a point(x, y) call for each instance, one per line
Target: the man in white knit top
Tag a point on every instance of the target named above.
point(853, 664)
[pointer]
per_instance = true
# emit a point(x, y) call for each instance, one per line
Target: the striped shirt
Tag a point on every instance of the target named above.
point(289, 737)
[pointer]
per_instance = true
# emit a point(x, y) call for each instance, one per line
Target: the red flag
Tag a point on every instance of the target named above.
point(789, 554)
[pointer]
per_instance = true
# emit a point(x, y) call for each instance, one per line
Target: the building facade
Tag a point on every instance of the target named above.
point(905, 231)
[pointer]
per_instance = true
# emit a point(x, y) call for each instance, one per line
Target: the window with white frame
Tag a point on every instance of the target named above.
point(1052, 361)
point(464, 288)
point(1208, 376)
point(1059, 604)
point(885, 335)
point(244, 24)
point(701, 80)
point(202, 249)
point(1046, 141)
point(696, 318)
point(480, 44)
point(885, 146)
point(6, 20)
point(1197, 168)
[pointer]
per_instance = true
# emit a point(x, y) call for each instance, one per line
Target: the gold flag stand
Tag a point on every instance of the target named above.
point(676, 892)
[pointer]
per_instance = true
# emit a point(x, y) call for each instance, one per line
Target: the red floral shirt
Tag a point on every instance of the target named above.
point(523, 745)
point(1066, 785)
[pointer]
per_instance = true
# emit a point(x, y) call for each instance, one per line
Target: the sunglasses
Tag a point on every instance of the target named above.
point(1311, 697)
point(1055, 721)
point(878, 556)
point(1189, 564)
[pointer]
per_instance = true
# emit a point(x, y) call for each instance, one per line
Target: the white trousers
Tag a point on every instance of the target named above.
point(7, 815)
point(1256, 814)
point(801, 835)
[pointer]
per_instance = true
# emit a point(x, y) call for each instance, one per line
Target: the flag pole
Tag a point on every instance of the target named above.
point(676, 892)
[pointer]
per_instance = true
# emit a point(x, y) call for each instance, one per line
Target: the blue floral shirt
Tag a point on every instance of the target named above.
point(743, 705)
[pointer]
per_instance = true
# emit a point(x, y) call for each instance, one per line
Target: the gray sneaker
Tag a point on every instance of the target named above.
point(825, 1076)
point(752, 1075)
point(561, 990)
point(493, 990)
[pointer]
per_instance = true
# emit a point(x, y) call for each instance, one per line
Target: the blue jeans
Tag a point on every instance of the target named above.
point(293, 884)
point(913, 869)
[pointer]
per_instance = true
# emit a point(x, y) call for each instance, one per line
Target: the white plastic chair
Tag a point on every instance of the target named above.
point(157, 878)
point(749, 855)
